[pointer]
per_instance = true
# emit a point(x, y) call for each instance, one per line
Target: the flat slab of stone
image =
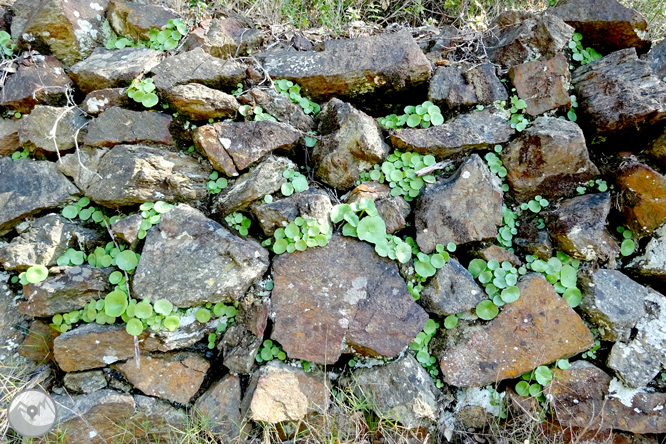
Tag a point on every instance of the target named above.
point(452, 290)
point(200, 102)
point(643, 196)
point(116, 126)
point(466, 86)
point(542, 84)
point(36, 128)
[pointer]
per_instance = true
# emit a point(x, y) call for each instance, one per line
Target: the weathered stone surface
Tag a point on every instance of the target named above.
point(353, 68)
point(643, 192)
point(113, 68)
point(135, 20)
point(38, 344)
point(578, 227)
point(95, 418)
point(155, 420)
point(40, 80)
point(278, 106)
point(537, 329)
point(394, 211)
point(219, 407)
point(452, 290)
point(35, 133)
point(132, 174)
point(613, 302)
point(402, 390)
point(239, 347)
point(456, 87)
point(606, 25)
point(224, 38)
point(535, 242)
point(99, 101)
point(350, 301)
point(209, 264)
point(467, 132)
point(474, 408)
point(11, 330)
point(618, 94)
point(128, 228)
point(116, 126)
point(28, 187)
point(279, 392)
point(652, 263)
point(549, 159)
point(265, 178)
point(68, 29)
point(202, 103)
point(656, 149)
point(9, 138)
point(65, 292)
point(197, 67)
point(542, 84)
point(85, 382)
point(657, 59)
point(45, 241)
point(312, 203)
point(499, 254)
point(173, 376)
point(463, 208)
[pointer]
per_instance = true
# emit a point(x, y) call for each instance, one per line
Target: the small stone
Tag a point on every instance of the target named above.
point(220, 406)
point(9, 137)
point(239, 347)
point(225, 38)
point(202, 103)
point(643, 192)
point(311, 203)
point(278, 106)
point(657, 59)
point(495, 252)
point(135, 20)
point(96, 102)
point(394, 211)
point(38, 345)
point(456, 87)
point(543, 84)
point(116, 126)
point(155, 420)
point(652, 263)
point(301, 43)
point(128, 228)
point(452, 290)
point(38, 127)
point(85, 382)
point(370, 190)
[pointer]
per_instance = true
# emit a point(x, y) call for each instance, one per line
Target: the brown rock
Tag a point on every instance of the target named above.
point(278, 106)
point(37, 128)
point(537, 329)
point(543, 84)
point(206, 142)
point(456, 87)
point(116, 126)
point(311, 202)
point(371, 190)
point(239, 347)
point(202, 103)
point(219, 407)
point(224, 38)
point(495, 252)
point(99, 101)
point(128, 228)
point(135, 20)
point(394, 211)
point(643, 197)
point(38, 345)
point(9, 138)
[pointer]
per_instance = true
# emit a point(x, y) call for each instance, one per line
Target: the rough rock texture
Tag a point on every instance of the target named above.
point(463, 208)
point(578, 227)
point(100, 100)
point(197, 67)
point(239, 347)
point(113, 68)
point(135, 20)
point(9, 137)
point(278, 106)
point(11, 331)
point(537, 329)
point(353, 68)
point(28, 187)
point(225, 37)
point(618, 94)
point(279, 392)
point(220, 407)
point(499, 254)
point(643, 196)
point(35, 133)
point(452, 290)
point(652, 263)
point(312, 203)
point(202, 103)
point(39, 81)
point(173, 376)
point(116, 126)
point(456, 87)
point(38, 344)
point(657, 59)
point(394, 211)
point(208, 264)
point(549, 159)
point(351, 143)
point(155, 420)
point(85, 382)
point(350, 301)
point(543, 84)
point(132, 174)
point(467, 132)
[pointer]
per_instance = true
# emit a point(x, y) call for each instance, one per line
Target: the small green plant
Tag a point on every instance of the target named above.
point(499, 281)
point(592, 353)
point(542, 375)
point(497, 399)
point(300, 234)
point(257, 112)
point(6, 44)
point(168, 38)
point(496, 166)
point(33, 275)
point(561, 271)
point(296, 182)
point(581, 54)
point(270, 350)
point(628, 244)
point(238, 91)
point(518, 119)
point(216, 183)
point(600, 184)
point(420, 346)
point(143, 91)
point(571, 114)
point(239, 222)
point(20, 154)
point(84, 212)
point(71, 257)
point(152, 214)
point(399, 171)
point(535, 205)
point(508, 229)
point(424, 115)
point(292, 90)
point(116, 42)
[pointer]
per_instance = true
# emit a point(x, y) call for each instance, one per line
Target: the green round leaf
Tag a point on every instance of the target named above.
point(126, 260)
point(523, 388)
point(573, 296)
point(628, 247)
point(287, 189)
point(413, 120)
point(115, 277)
point(161, 207)
point(115, 303)
point(202, 315)
point(143, 310)
point(172, 322)
point(487, 310)
point(36, 273)
point(300, 184)
point(543, 375)
point(70, 211)
point(476, 267)
point(149, 100)
point(372, 229)
point(510, 294)
point(134, 327)
point(568, 276)
point(436, 119)
point(450, 322)
point(163, 307)
point(424, 269)
point(403, 252)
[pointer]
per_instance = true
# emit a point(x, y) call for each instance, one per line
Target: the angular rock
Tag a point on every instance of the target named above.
point(452, 290)
point(265, 178)
point(578, 227)
point(68, 29)
point(536, 243)
point(113, 68)
point(38, 344)
point(128, 228)
point(279, 392)
point(197, 67)
point(643, 192)
point(155, 420)
point(35, 133)
point(351, 143)
point(372, 190)
point(224, 38)
point(239, 347)
point(549, 159)
point(311, 202)
point(9, 137)
point(278, 106)
point(402, 390)
point(467, 132)
point(65, 292)
point(85, 382)
point(495, 252)
point(353, 68)
point(350, 301)
point(116, 126)
point(657, 149)
point(202, 103)
point(652, 263)
point(657, 59)
point(11, 328)
point(134, 174)
point(28, 187)
point(539, 328)
point(619, 95)
point(464, 208)
point(208, 264)
point(135, 20)
point(99, 101)
point(394, 211)
point(456, 87)
point(219, 407)
point(606, 25)
point(173, 376)
point(542, 84)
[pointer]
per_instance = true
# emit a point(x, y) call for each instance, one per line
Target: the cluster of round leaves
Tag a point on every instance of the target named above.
point(300, 234)
point(216, 183)
point(362, 221)
point(255, 111)
point(496, 166)
point(581, 54)
point(163, 40)
point(84, 212)
point(227, 313)
point(508, 229)
point(518, 120)
point(33, 275)
point(292, 90)
point(600, 184)
point(420, 346)
point(399, 170)
point(296, 182)
point(143, 92)
point(6, 44)
point(628, 244)
point(424, 115)
point(562, 272)
point(571, 114)
point(152, 214)
point(20, 154)
point(535, 205)
point(110, 255)
point(239, 223)
point(499, 281)
point(270, 350)
point(542, 375)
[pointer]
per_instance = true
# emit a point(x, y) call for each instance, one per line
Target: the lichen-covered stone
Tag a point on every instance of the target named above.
point(85, 382)
point(219, 407)
point(311, 203)
point(38, 128)
point(542, 84)
point(199, 102)
point(100, 100)
point(116, 126)
point(652, 263)
point(41, 80)
point(135, 20)
point(456, 87)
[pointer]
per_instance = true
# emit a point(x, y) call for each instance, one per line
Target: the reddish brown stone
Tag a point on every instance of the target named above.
point(643, 192)
point(542, 84)
point(38, 345)
point(103, 99)
point(205, 140)
point(500, 255)
point(9, 138)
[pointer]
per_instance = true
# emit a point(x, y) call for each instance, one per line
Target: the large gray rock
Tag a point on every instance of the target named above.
point(353, 68)
point(350, 301)
point(190, 259)
point(456, 87)
point(38, 128)
point(116, 126)
point(28, 187)
point(464, 208)
point(85, 382)
point(199, 102)
point(219, 407)
point(657, 59)
point(278, 106)
point(134, 20)
point(467, 132)
point(452, 290)
point(312, 203)
point(652, 263)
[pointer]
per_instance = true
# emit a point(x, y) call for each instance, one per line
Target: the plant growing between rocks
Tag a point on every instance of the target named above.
point(239, 223)
point(300, 234)
point(163, 40)
point(399, 171)
point(292, 90)
point(422, 115)
point(216, 183)
point(143, 92)
point(499, 281)
point(560, 271)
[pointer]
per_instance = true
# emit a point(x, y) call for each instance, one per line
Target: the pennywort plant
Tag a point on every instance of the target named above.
point(296, 182)
point(292, 90)
point(534, 205)
point(496, 166)
point(216, 183)
point(599, 184)
point(6, 44)
point(270, 350)
point(628, 245)
point(163, 40)
point(33, 275)
point(20, 154)
point(422, 115)
point(508, 229)
point(143, 92)
point(255, 111)
point(562, 272)
point(420, 347)
point(152, 214)
point(84, 212)
point(499, 281)
point(580, 53)
point(300, 234)
point(239, 223)
point(399, 171)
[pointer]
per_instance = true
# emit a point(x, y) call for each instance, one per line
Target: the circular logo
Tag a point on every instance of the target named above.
point(32, 413)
